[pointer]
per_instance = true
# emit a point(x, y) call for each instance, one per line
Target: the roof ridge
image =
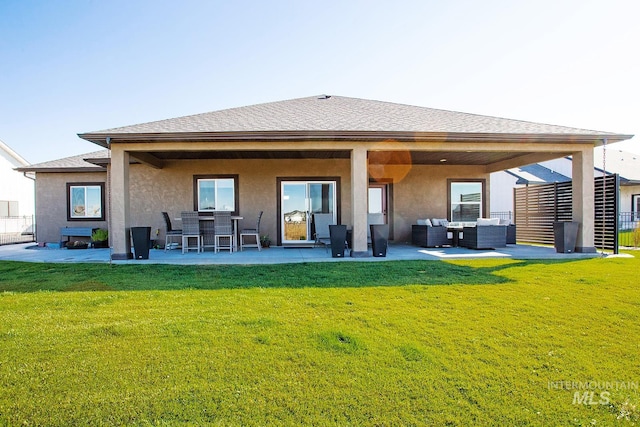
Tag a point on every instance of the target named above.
point(340, 115)
point(206, 113)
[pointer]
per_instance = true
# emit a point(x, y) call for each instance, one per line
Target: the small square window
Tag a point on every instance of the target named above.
point(216, 193)
point(85, 201)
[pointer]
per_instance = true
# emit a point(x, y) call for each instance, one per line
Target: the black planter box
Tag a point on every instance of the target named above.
point(379, 239)
point(565, 234)
point(98, 244)
point(511, 234)
point(141, 238)
point(338, 236)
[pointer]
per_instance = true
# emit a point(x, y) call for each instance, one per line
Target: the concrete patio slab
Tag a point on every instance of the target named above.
point(279, 255)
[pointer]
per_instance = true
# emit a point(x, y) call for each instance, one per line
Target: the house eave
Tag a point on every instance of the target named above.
point(62, 169)
point(104, 139)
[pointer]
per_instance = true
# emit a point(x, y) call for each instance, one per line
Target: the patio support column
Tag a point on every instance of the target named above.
point(583, 201)
point(119, 204)
point(359, 192)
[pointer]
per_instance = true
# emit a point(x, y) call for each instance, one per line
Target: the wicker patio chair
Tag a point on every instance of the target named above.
point(190, 230)
point(251, 232)
point(223, 228)
point(170, 233)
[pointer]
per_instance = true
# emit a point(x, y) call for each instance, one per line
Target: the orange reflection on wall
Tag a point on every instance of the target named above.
point(389, 160)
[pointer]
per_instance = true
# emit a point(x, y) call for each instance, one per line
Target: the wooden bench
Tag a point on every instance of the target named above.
point(69, 232)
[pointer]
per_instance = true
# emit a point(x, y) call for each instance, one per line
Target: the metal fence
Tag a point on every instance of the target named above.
point(17, 229)
point(629, 229)
point(503, 215)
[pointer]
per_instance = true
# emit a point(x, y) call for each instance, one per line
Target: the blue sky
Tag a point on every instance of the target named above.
point(76, 66)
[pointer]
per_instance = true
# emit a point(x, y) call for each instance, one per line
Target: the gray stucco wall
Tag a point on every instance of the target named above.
point(419, 192)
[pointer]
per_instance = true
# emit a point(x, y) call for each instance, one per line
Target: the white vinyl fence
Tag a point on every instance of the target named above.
point(16, 229)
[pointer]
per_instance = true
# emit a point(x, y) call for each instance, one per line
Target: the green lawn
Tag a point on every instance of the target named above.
point(478, 342)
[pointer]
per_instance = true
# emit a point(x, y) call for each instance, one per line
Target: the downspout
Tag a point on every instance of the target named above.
point(108, 141)
point(604, 200)
point(33, 218)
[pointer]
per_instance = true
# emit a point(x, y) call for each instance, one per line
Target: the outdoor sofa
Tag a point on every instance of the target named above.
point(430, 235)
point(488, 233)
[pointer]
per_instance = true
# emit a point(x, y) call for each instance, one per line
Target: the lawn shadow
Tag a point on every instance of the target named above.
point(34, 277)
point(520, 263)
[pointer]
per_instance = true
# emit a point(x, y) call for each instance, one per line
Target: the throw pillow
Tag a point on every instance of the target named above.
point(481, 222)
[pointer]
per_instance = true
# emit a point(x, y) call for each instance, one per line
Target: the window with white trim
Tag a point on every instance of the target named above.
point(8, 208)
point(85, 201)
point(216, 194)
point(466, 200)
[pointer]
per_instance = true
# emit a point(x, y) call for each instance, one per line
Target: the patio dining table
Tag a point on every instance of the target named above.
point(234, 220)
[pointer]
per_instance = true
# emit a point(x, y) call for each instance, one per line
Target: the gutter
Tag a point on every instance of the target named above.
point(322, 135)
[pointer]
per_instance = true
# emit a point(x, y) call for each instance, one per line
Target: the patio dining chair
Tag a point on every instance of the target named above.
point(223, 229)
point(207, 228)
point(251, 232)
point(170, 233)
point(190, 230)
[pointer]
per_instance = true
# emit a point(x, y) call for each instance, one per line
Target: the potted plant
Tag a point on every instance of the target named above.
point(100, 238)
point(265, 241)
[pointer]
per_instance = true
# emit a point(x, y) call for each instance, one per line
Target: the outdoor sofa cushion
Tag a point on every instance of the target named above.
point(440, 221)
point(487, 221)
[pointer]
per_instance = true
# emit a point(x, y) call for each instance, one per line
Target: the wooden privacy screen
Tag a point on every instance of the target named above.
point(538, 206)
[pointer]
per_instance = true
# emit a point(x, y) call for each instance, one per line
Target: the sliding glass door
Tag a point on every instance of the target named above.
point(300, 200)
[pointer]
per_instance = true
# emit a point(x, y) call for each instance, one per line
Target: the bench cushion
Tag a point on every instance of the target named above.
point(76, 231)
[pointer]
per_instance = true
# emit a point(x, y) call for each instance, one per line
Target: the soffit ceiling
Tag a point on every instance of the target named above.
point(383, 157)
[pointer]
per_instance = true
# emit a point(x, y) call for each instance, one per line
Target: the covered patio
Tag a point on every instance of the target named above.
point(29, 252)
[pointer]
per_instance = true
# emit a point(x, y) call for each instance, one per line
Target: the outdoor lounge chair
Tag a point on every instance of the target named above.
point(321, 223)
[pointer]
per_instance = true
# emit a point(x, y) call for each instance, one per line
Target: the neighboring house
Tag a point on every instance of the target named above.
point(625, 164)
point(327, 154)
point(17, 198)
point(504, 182)
point(17, 190)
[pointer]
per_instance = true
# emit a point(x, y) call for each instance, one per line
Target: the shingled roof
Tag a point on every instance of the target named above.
point(624, 163)
point(89, 162)
point(536, 174)
point(335, 117)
